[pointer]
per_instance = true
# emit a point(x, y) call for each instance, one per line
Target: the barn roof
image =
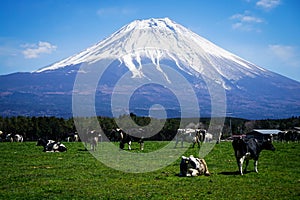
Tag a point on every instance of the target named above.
point(297, 128)
point(267, 131)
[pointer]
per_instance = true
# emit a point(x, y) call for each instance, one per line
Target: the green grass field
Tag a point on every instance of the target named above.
point(29, 173)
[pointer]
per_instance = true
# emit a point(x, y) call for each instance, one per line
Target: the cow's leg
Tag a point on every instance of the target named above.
point(255, 166)
point(247, 163)
point(176, 142)
point(182, 142)
point(240, 164)
point(129, 145)
point(121, 145)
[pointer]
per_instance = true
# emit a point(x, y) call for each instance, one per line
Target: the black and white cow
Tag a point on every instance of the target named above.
point(9, 137)
point(245, 150)
point(51, 145)
point(289, 136)
point(72, 137)
point(18, 138)
point(124, 138)
point(190, 135)
point(14, 138)
point(191, 166)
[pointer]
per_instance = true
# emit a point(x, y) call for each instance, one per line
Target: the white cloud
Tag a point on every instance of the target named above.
point(34, 50)
point(268, 4)
point(115, 11)
point(246, 18)
point(287, 54)
point(246, 22)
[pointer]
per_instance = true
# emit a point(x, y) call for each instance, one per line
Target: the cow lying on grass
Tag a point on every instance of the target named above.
point(191, 166)
point(51, 145)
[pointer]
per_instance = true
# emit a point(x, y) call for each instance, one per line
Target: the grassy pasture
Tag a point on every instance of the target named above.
point(28, 173)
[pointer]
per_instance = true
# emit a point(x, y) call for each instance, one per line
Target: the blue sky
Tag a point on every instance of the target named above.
point(37, 33)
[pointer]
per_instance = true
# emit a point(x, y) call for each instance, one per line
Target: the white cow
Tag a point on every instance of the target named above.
point(208, 137)
point(189, 135)
point(92, 137)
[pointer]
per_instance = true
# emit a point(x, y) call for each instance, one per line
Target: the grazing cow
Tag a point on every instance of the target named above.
point(124, 138)
point(191, 166)
point(190, 135)
point(51, 145)
point(246, 150)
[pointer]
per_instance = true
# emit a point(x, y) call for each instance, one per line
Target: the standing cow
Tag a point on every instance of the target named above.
point(246, 150)
point(124, 138)
point(190, 135)
point(92, 138)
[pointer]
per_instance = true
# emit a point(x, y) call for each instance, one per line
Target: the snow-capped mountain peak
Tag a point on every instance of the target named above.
point(143, 48)
point(160, 39)
point(162, 23)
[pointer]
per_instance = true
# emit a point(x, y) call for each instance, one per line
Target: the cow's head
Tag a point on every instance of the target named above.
point(194, 162)
point(267, 145)
point(184, 166)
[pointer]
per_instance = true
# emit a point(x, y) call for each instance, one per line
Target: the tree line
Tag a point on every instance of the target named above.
point(32, 128)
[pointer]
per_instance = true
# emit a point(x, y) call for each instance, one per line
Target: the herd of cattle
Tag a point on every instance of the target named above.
point(244, 149)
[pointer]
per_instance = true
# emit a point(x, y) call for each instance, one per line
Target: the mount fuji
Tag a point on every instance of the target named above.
point(144, 50)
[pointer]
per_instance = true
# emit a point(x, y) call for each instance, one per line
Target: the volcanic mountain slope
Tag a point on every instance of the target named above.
point(143, 49)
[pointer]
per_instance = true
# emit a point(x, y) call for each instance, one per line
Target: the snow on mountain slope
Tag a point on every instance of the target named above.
point(143, 47)
point(159, 39)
